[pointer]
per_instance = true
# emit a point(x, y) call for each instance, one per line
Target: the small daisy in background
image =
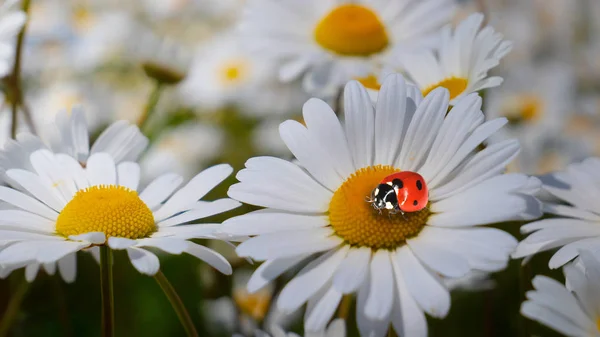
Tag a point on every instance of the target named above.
point(538, 100)
point(11, 21)
point(462, 61)
point(225, 75)
point(576, 224)
point(393, 261)
point(327, 43)
point(570, 309)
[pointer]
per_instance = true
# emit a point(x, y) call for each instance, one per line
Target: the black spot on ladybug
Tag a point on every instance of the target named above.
point(415, 203)
point(419, 185)
point(398, 183)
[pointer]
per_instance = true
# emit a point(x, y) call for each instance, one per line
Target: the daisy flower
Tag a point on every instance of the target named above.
point(327, 43)
point(224, 75)
point(393, 261)
point(337, 328)
point(462, 62)
point(11, 21)
point(122, 141)
point(538, 101)
point(67, 208)
point(577, 222)
point(573, 309)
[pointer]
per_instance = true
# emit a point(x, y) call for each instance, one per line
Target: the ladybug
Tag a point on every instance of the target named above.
point(400, 192)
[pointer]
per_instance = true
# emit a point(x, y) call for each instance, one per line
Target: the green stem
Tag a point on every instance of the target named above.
point(106, 290)
point(177, 304)
point(151, 105)
point(13, 307)
point(15, 78)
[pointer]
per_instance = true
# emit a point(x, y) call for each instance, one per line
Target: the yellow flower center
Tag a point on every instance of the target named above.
point(113, 210)
point(370, 82)
point(254, 305)
point(523, 109)
point(354, 219)
point(598, 324)
point(455, 86)
point(234, 71)
point(351, 30)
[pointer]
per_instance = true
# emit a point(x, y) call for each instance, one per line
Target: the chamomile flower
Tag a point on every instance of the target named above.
point(327, 43)
point(225, 75)
point(11, 21)
point(576, 225)
point(573, 309)
point(393, 261)
point(462, 63)
point(67, 208)
point(122, 141)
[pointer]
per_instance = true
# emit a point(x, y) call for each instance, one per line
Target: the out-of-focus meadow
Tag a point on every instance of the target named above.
point(227, 109)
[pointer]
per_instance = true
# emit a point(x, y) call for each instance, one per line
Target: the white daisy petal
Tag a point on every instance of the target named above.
point(31, 271)
point(352, 271)
point(441, 259)
point(34, 185)
point(552, 319)
point(268, 221)
point(195, 189)
point(261, 181)
point(321, 308)
point(25, 219)
point(48, 168)
point(74, 169)
point(128, 175)
point(324, 127)
point(309, 280)
point(101, 169)
point(26, 203)
point(422, 130)
point(201, 210)
point(390, 118)
point(287, 244)
point(52, 251)
point(97, 238)
point(310, 154)
point(209, 256)
point(170, 245)
point(431, 295)
point(160, 189)
point(379, 303)
point(360, 119)
point(408, 318)
point(366, 326)
point(79, 129)
point(144, 261)
point(270, 270)
point(67, 267)
point(120, 243)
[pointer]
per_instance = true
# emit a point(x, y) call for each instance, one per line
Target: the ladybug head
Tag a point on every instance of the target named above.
point(384, 197)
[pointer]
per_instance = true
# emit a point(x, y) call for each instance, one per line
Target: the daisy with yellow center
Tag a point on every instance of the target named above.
point(571, 309)
point(61, 207)
point(317, 213)
point(224, 74)
point(327, 43)
point(121, 140)
point(462, 62)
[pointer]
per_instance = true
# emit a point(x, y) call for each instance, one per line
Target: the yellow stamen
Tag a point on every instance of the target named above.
point(234, 71)
point(525, 108)
point(351, 30)
point(113, 210)
point(370, 82)
point(354, 219)
point(455, 86)
point(254, 305)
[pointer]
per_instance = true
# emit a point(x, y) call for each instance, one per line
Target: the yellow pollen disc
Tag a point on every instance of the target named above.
point(114, 210)
point(598, 324)
point(455, 86)
point(354, 219)
point(351, 30)
point(254, 305)
point(525, 108)
point(233, 71)
point(370, 82)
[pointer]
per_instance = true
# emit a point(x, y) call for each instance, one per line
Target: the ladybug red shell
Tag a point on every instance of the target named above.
point(401, 192)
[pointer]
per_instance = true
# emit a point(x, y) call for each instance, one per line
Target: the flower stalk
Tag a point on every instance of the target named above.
point(177, 304)
point(107, 291)
point(150, 105)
